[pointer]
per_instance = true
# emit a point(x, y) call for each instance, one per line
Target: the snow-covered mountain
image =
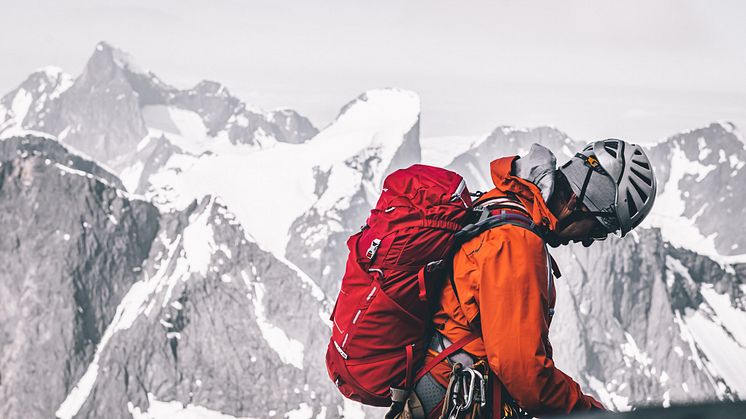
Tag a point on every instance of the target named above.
point(133, 310)
point(702, 201)
point(115, 108)
point(205, 290)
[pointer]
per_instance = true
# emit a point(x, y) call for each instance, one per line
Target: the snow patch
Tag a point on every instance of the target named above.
point(289, 350)
point(21, 104)
point(168, 410)
point(727, 357)
point(732, 319)
point(608, 398)
point(130, 176)
point(199, 241)
point(304, 411)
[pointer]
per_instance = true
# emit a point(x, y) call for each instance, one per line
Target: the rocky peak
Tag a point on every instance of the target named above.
point(707, 144)
point(211, 101)
point(295, 128)
point(107, 57)
point(474, 163)
point(211, 88)
point(107, 63)
point(32, 102)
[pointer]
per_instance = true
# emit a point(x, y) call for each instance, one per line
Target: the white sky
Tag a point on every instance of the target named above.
point(638, 70)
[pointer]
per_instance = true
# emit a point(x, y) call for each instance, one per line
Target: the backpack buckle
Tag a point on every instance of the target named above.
point(371, 253)
point(434, 266)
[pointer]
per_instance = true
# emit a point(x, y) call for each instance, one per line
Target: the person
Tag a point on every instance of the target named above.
point(502, 285)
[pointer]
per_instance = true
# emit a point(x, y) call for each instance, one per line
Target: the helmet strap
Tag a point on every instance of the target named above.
point(576, 212)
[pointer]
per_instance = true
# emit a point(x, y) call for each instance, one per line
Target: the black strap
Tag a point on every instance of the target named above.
point(472, 230)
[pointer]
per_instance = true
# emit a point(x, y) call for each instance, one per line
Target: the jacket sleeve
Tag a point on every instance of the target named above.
point(513, 303)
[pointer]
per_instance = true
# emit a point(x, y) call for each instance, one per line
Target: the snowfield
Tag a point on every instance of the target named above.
point(268, 189)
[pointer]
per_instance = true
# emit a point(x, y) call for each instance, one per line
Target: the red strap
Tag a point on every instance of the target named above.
point(445, 353)
point(421, 283)
point(497, 397)
point(410, 362)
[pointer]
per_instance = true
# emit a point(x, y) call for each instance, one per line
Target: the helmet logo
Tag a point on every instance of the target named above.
point(591, 160)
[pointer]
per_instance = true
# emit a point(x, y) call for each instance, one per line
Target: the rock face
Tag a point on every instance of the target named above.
point(637, 292)
point(72, 246)
point(224, 326)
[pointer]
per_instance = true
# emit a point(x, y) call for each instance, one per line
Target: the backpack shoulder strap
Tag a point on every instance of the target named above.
point(487, 221)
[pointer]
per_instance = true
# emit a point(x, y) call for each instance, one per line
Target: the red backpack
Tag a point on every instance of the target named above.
point(394, 277)
point(393, 273)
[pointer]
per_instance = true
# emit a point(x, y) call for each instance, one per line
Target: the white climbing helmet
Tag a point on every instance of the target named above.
point(615, 178)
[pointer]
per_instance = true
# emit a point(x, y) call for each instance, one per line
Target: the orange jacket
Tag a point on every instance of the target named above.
point(506, 293)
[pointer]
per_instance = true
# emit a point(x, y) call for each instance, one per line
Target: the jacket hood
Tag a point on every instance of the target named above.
point(505, 177)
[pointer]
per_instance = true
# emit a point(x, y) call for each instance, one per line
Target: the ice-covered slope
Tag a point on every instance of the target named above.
point(269, 189)
point(702, 191)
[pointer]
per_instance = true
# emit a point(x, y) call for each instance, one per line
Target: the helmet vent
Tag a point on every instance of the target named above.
point(610, 151)
point(639, 190)
point(638, 152)
point(611, 144)
point(631, 205)
point(641, 164)
point(641, 176)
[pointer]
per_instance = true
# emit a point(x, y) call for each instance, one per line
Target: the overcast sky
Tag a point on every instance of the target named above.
point(638, 70)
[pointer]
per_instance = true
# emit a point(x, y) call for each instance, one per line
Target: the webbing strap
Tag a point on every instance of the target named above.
point(421, 284)
point(444, 354)
point(410, 365)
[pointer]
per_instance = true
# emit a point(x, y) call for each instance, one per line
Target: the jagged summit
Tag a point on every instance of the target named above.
point(211, 88)
point(115, 106)
point(107, 53)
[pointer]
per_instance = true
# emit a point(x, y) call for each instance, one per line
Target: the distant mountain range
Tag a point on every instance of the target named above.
point(176, 252)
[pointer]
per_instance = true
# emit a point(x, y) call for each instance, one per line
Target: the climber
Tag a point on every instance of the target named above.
point(500, 301)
